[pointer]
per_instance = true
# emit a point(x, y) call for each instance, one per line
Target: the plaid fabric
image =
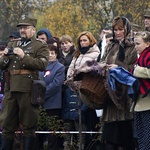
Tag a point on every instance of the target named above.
point(144, 61)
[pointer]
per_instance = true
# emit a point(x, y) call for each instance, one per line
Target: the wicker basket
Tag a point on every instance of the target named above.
point(92, 86)
point(87, 101)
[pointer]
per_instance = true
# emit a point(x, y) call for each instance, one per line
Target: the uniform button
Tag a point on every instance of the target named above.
point(72, 109)
point(14, 61)
point(14, 66)
point(72, 102)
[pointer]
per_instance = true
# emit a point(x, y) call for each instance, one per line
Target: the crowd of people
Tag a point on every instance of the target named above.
point(56, 61)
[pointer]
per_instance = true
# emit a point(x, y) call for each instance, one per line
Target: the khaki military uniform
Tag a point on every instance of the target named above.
point(17, 108)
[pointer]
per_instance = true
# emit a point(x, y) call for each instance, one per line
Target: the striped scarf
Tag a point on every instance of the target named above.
point(144, 61)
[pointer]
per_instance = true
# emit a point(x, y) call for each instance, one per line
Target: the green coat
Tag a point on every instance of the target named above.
point(35, 59)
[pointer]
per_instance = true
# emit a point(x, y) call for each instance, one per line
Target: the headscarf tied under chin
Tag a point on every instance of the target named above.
point(127, 28)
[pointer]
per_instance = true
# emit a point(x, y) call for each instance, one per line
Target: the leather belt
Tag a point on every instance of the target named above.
point(22, 71)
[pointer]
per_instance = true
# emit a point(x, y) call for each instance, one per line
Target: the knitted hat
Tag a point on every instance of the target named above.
point(15, 34)
point(47, 32)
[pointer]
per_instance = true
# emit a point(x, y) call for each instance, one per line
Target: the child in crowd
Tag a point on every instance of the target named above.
point(142, 108)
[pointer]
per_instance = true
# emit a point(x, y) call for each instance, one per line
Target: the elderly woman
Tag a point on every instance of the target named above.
point(53, 76)
point(117, 130)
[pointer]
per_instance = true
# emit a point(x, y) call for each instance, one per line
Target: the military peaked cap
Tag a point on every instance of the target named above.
point(26, 21)
point(147, 14)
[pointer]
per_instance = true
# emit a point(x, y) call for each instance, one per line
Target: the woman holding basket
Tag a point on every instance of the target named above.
point(117, 129)
point(87, 50)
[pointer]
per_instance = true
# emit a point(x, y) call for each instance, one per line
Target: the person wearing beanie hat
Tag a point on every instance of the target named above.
point(147, 20)
point(21, 60)
point(14, 36)
point(44, 34)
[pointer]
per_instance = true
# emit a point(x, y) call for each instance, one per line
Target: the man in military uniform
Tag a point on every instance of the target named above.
point(22, 60)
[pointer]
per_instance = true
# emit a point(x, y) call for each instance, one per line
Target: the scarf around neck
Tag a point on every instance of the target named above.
point(121, 53)
point(83, 50)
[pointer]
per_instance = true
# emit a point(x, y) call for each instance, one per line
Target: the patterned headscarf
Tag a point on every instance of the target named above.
point(127, 28)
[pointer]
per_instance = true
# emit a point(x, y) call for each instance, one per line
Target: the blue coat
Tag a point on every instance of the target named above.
point(53, 76)
point(70, 108)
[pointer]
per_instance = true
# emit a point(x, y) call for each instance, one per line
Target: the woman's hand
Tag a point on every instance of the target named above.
point(68, 81)
point(74, 85)
point(110, 66)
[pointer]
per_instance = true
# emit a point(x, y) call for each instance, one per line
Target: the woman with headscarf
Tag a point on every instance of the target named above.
point(117, 129)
